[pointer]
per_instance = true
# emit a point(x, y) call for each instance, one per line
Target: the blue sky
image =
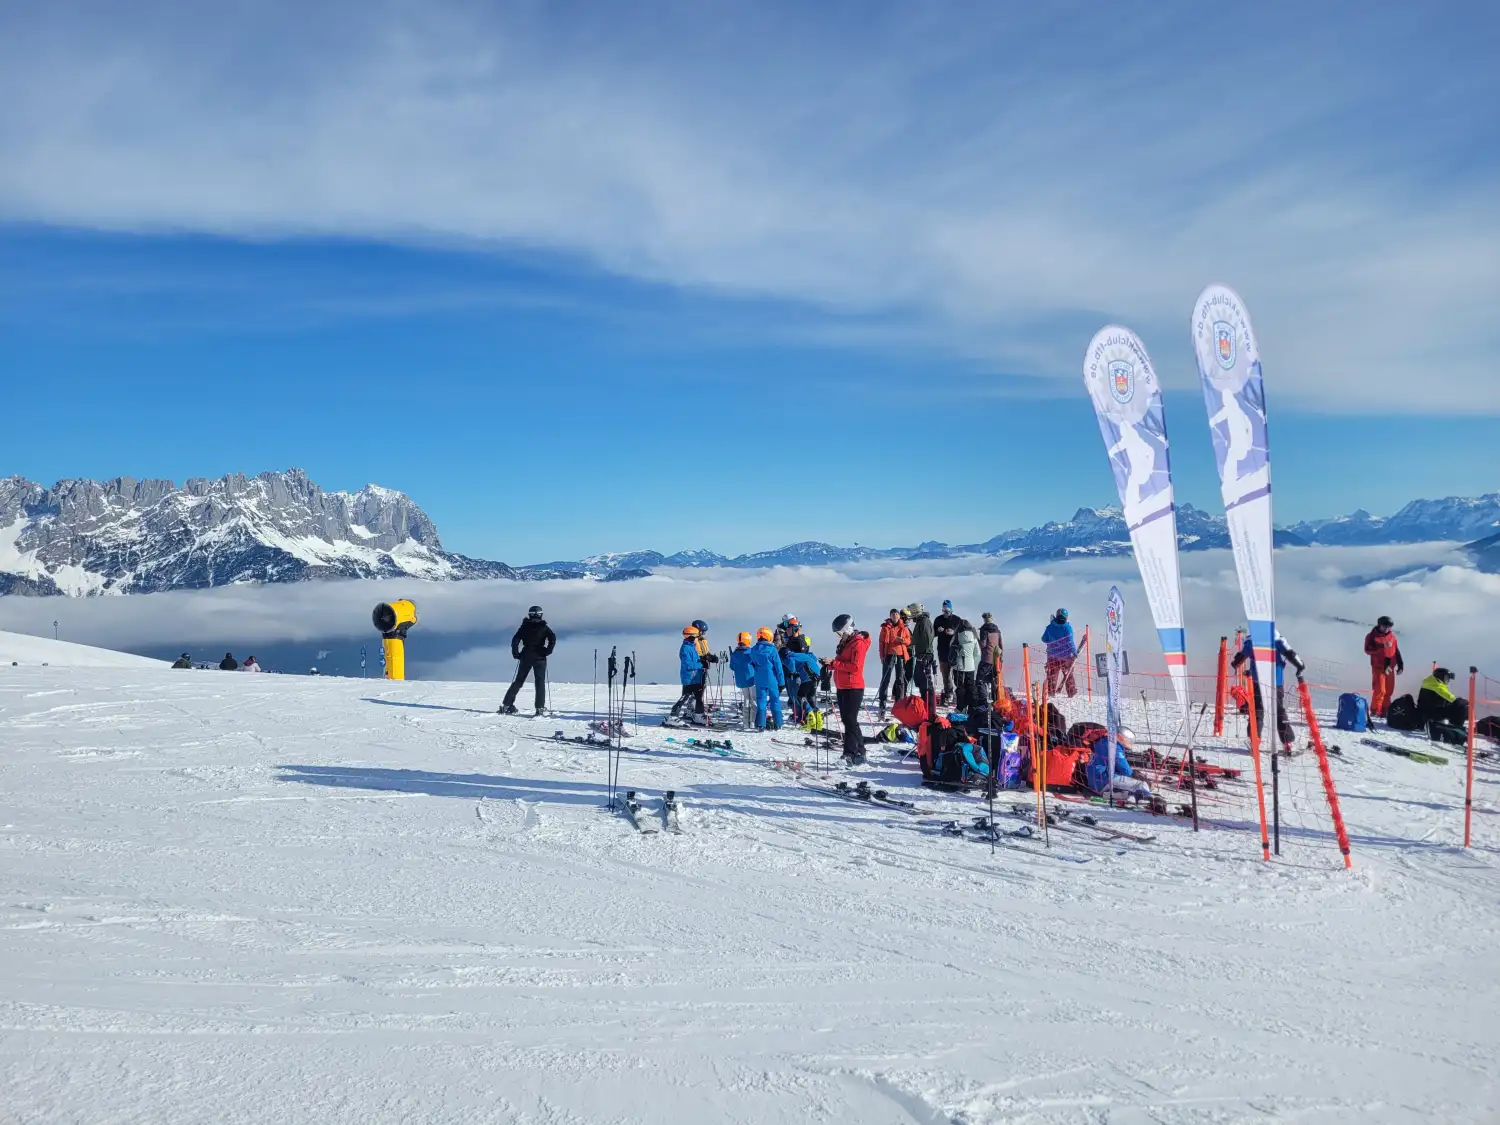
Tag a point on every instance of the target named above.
point(669, 277)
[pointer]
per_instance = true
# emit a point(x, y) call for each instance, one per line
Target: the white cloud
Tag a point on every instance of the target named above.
point(989, 177)
point(1444, 615)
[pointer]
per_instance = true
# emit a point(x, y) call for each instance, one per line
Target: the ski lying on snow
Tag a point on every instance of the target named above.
point(1022, 839)
point(1414, 755)
point(864, 795)
point(644, 824)
point(1082, 825)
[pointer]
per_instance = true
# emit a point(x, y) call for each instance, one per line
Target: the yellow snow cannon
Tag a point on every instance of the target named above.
point(392, 620)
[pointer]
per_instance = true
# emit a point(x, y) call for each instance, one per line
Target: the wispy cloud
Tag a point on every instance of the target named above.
point(984, 173)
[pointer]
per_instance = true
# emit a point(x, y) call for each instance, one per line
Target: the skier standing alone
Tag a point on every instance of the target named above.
point(1385, 665)
point(849, 679)
point(532, 644)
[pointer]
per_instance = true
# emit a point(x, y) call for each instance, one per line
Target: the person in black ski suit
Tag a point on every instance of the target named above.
point(532, 644)
point(229, 663)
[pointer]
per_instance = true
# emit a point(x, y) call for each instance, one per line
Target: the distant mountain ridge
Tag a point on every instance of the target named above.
point(138, 536)
point(1096, 532)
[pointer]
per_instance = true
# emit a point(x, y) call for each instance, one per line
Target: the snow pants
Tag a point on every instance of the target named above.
point(1283, 720)
point(1060, 677)
point(926, 681)
point(1382, 687)
point(527, 666)
point(690, 702)
point(850, 701)
point(963, 690)
point(892, 669)
point(767, 696)
point(747, 707)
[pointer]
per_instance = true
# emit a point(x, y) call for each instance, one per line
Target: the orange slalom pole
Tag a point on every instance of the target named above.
point(1221, 690)
point(1260, 790)
point(1469, 783)
point(1329, 791)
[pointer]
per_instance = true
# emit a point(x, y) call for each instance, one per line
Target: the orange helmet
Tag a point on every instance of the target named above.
point(765, 634)
point(690, 630)
point(745, 638)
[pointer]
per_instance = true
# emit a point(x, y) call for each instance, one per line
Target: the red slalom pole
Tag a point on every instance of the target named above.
point(1328, 789)
point(1260, 790)
point(1221, 690)
point(1469, 783)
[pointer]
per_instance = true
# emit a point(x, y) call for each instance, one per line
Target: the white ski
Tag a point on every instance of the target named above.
point(671, 813)
point(644, 824)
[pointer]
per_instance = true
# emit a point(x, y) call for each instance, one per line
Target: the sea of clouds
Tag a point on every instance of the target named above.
point(1326, 596)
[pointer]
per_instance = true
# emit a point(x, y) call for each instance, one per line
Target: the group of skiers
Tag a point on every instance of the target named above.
point(228, 664)
point(945, 657)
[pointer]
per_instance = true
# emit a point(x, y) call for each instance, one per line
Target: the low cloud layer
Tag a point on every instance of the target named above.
point(1445, 614)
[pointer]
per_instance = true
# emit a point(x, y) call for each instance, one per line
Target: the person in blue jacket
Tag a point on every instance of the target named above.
point(1062, 654)
point(765, 662)
point(693, 672)
point(744, 679)
point(802, 670)
point(1125, 782)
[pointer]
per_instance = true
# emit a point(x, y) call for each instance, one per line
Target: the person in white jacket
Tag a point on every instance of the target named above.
point(250, 665)
point(964, 657)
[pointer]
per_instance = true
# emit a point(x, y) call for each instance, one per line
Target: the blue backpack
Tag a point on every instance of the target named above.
point(1354, 712)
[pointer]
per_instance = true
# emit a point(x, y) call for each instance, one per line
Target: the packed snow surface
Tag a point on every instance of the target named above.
point(241, 898)
point(19, 648)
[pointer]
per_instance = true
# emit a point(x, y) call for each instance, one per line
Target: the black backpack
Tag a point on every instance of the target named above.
point(957, 761)
point(1402, 714)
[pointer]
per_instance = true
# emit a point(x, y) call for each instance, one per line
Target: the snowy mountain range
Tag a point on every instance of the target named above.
point(128, 536)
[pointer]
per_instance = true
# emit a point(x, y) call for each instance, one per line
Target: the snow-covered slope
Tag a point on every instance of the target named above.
point(125, 535)
point(253, 899)
point(18, 648)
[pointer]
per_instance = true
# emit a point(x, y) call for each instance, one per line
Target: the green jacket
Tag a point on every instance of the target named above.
point(923, 640)
point(1439, 689)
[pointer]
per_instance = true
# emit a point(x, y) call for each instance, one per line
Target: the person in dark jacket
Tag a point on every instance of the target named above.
point(991, 655)
point(1285, 655)
point(532, 644)
point(945, 626)
point(1437, 704)
point(924, 655)
point(183, 661)
point(802, 671)
point(229, 663)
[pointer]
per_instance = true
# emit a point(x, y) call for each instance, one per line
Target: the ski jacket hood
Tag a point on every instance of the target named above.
point(964, 655)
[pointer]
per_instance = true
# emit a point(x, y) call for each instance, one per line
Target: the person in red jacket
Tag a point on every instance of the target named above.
point(849, 681)
point(1385, 665)
point(895, 649)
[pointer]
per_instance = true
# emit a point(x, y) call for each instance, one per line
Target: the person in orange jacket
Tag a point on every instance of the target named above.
point(1385, 665)
point(895, 650)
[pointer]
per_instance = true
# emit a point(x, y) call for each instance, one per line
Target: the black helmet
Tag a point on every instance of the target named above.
point(841, 622)
point(1384, 622)
point(1443, 675)
point(534, 611)
point(701, 626)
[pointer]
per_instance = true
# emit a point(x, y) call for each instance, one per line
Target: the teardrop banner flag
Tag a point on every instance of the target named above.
point(1127, 398)
point(1229, 365)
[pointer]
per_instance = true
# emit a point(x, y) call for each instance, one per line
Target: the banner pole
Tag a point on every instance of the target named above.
point(1222, 687)
point(1248, 684)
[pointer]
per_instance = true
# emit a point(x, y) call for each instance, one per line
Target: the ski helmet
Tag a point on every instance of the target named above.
point(690, 630)
point(794, 623)
point(841, 622)
point(947, 605)
point(1443, 675)
point(701, 626)
point(1125, 736)
point(534, 611)
point(1384, 623)
point(744, 638)
point(1062, 615)
point(765, 634)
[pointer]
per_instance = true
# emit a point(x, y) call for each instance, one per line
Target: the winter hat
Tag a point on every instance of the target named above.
point(988, 616)
point(947, 605)
point(915, 609)
point(843, 624)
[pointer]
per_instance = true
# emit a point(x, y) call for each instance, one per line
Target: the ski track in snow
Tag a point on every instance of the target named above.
point(251, 899)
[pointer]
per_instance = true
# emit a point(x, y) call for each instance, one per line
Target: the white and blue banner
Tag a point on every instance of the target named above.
point(1114, 644)
point(1229, 365)
point(1127, 398)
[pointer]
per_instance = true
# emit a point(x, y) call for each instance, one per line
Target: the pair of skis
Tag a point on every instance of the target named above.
point(1414, 755)
point(669, 812)
point(865, 794)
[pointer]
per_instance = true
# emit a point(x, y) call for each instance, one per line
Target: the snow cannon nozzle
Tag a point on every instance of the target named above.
point(392, 620)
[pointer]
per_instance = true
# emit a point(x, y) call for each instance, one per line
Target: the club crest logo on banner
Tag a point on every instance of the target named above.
point(1224, 343)
point(1121, 380)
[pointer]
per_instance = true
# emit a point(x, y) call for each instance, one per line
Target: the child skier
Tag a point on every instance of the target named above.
point(744, 679)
